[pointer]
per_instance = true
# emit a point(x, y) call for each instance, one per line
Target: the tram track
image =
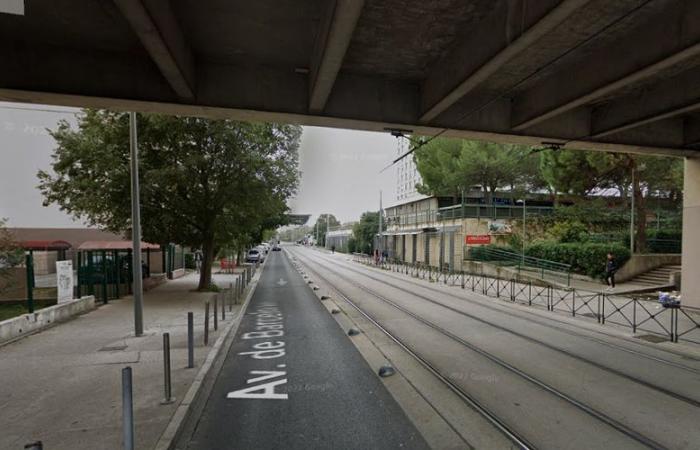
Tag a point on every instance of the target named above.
point(490, 417)
point(545, 323)
point(616, 425)
point(660, 389)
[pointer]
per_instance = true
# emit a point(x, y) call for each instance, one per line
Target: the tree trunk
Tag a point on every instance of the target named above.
point(207, 260)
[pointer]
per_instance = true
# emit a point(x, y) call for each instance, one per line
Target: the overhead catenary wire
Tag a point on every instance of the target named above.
point(521, 82)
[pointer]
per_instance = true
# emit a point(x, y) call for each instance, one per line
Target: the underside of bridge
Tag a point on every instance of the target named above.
point(619, 75)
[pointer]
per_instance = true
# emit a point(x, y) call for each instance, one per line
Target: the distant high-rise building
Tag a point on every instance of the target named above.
point(407, 175)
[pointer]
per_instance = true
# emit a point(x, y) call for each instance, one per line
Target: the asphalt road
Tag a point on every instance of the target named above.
point(292, 379)
point(554, 383)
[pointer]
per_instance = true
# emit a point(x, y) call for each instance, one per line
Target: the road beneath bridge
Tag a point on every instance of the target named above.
point(492, 375)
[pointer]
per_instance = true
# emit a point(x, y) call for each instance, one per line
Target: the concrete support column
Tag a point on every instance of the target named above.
point(690, 279)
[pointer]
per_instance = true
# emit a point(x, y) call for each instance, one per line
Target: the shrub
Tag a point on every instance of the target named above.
point(352, 245)
point(586, 258)
point(569, 231)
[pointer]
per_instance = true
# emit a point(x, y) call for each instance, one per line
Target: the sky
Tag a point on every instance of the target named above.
point(340, 168)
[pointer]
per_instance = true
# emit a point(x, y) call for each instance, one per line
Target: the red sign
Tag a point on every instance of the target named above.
point(478, 239)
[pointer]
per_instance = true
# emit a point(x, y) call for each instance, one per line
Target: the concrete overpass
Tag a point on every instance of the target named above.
point(618, 76)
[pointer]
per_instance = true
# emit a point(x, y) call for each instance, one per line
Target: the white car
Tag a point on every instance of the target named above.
point(255, 254)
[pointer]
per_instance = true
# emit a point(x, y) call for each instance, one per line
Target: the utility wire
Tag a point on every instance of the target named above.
point(524, 80)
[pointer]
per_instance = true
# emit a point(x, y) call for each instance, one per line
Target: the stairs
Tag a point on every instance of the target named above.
point(656, 277)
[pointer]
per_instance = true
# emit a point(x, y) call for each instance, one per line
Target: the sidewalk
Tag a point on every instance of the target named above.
point(63, 385)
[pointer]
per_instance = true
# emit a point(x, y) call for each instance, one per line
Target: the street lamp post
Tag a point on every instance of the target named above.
point(524, 203)
point(136, 227)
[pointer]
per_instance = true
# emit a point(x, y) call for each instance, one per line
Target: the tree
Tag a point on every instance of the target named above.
point(449, 167)
point(568, 171)
point(580, 172)
point(11, 255)
point(204, 183)
point(365, 230)
point(321, 226)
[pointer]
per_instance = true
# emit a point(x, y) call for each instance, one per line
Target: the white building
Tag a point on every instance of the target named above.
point(407, 175)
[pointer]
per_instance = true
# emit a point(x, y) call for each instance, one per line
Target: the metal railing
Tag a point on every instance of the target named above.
point(491, 211)
point(467, 210)
point(542, 268)
point(639, 315)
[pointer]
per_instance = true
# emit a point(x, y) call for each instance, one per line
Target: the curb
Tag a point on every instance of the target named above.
point(197, 395)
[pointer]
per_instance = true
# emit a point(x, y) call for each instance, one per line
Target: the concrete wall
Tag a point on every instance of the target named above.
point(638, 264)
point(45, 262)
point(30, 323)
point(691, 234)
point(177, 273)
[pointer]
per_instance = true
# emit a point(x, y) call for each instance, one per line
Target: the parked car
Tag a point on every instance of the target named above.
point(253, 255)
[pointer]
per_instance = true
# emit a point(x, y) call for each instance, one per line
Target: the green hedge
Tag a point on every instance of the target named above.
point(586, 258)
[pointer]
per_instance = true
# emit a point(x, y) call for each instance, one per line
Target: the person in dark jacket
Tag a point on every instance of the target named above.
point(610, 269)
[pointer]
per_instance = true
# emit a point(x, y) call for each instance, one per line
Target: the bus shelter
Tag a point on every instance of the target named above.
point(104, 267)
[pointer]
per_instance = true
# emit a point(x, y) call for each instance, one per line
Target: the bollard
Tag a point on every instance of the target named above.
point(127, 410)
point(231, 294)
point(216, 311)
point(223, 305)
point(167, 385)
point(206, 323)
point(190, 340)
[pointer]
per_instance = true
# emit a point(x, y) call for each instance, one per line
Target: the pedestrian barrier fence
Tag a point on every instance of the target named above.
point(640, 315)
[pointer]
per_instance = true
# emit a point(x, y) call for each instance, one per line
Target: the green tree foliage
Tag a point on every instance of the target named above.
point(321, 226)
point(204, 183)
point(580, 172)
point(587, 258)
point(365, 230)
point(11, 255)
point(450, 166)
point(569, 171)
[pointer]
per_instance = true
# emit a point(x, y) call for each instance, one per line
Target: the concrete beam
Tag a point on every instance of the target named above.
point(691, 131)
point(651, 48)
point(155, 24)
point(669, 98)
point(485, 50)
point(302, 118)
point(331, 44)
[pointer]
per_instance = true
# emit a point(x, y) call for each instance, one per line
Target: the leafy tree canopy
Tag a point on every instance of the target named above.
point(365, 230)
point(450, 166)
point(321, 226)
point(11, 254)
point(204, 183)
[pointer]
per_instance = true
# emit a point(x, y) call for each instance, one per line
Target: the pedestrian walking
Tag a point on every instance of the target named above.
point(198, 260)
point(610, 269)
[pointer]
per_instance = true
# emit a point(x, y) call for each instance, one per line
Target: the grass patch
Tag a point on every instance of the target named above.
point(8, 310)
